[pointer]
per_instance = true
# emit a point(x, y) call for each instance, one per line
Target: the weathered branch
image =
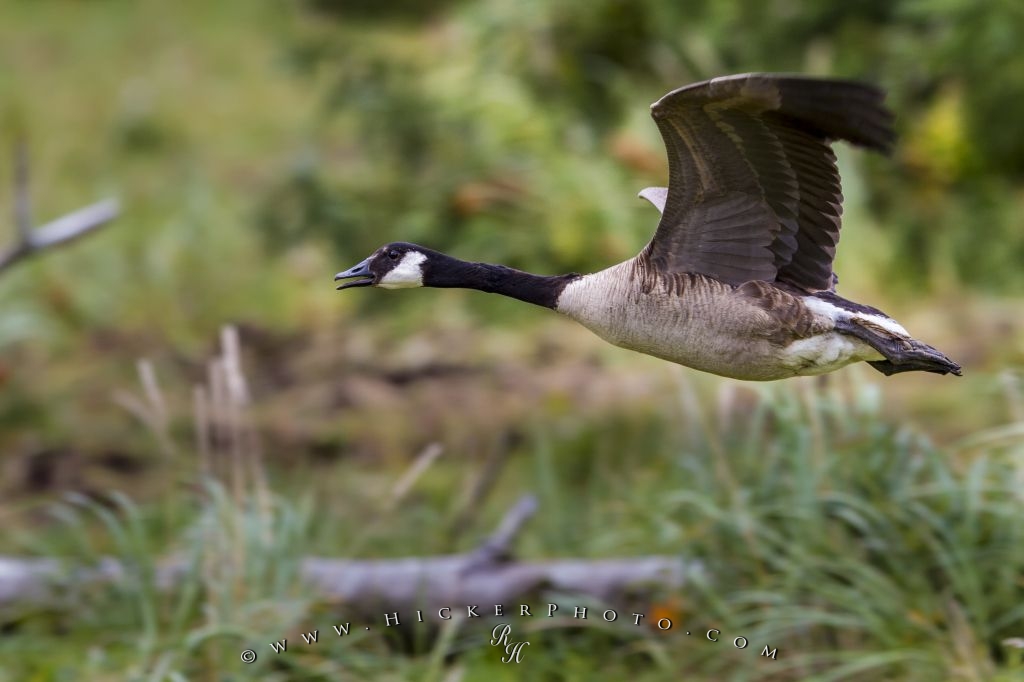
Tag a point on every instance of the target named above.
point(498, 547)
point(484, 576)
point(22, 197)
point(56, 233)
point(375, 587)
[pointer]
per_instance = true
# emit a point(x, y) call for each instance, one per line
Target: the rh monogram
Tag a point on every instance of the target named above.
point(513, 650)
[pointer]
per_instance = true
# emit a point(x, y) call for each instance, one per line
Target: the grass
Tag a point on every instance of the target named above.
point(855, 547)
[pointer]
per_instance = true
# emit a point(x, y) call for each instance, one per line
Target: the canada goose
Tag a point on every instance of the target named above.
point(737, 279)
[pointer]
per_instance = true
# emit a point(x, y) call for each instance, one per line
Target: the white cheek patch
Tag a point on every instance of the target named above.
point(407, 274)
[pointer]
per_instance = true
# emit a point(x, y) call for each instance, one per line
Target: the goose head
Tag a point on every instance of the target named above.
point(401, 265)
point(393, 266)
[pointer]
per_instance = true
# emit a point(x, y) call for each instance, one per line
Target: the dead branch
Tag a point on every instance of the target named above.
point(61, 231)
point(484, 576)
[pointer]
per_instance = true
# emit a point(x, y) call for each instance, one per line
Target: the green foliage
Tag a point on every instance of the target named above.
point(514, 131)
point(858, 549)
point(235, 582)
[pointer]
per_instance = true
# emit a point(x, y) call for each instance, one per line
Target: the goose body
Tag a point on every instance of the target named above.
point(737, 280)
point(753, 332)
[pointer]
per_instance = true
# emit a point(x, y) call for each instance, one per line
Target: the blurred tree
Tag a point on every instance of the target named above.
point(472, 127)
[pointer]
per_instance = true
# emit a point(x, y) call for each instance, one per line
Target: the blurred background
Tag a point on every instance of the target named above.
point(194, 356)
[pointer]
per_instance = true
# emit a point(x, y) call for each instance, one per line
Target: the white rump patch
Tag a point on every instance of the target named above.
point(888, 324)
point(826, 309)
point(407, 274)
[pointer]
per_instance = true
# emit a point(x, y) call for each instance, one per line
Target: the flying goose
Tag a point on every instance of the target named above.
point(737, 280)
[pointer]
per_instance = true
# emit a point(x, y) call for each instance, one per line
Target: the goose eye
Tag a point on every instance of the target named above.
point(392, 254)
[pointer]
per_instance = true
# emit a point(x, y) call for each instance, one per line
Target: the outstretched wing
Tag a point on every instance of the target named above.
point(753, 189)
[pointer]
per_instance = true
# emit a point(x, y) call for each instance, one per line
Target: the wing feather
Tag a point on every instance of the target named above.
point(754, 191)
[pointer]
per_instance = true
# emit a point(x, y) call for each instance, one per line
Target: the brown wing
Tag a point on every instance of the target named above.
point(753, 189)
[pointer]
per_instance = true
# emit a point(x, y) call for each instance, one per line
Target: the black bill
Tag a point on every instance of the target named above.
point(362, 271)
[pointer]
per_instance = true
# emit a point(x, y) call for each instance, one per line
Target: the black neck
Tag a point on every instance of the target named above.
point(448, 272)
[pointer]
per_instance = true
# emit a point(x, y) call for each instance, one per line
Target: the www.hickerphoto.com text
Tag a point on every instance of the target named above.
point(395, 618)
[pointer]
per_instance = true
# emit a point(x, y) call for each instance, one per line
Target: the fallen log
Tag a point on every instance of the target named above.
point(486, 576)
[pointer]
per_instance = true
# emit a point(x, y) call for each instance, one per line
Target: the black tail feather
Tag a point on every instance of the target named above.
point(901, 355)
point(944, 366)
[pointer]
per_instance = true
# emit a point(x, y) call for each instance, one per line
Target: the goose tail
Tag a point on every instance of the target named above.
point(914, 356)
point(899, 351)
